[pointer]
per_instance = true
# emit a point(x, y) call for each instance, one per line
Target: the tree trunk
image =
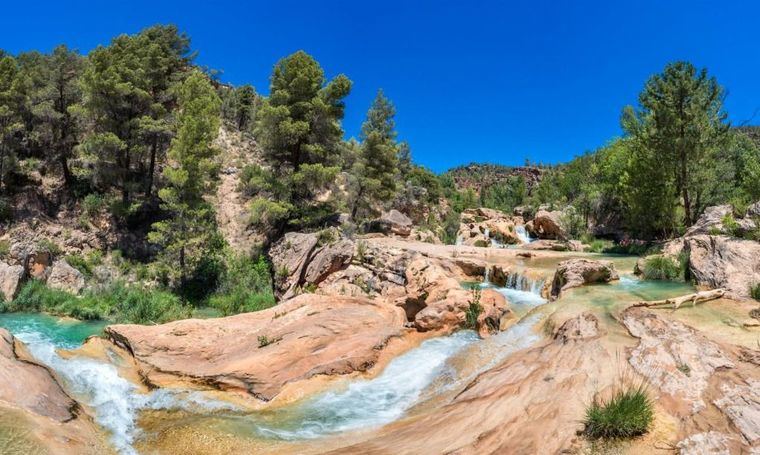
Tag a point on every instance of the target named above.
point(65, 169)
point(152, 168)
point(695, 298)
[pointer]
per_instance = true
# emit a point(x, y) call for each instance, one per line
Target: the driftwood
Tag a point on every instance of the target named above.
point(695, 298)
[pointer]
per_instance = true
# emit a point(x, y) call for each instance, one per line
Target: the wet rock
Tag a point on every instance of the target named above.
point(675, 358)
point(724, 262)
point(258, 353)
point(577, 272)
point(66, 278)
point(392, 222)
point(10, 280)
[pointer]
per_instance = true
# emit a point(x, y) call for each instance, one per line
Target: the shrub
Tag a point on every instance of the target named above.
point(754, 291)
point(265, 213)
point(6, 212)
point(5, 248)
point(731, 226)
point(245, 285)
point(627, 414)
point(80, 263)
point(92, 204)
point(661, 268)
point(49, 247)
point(473, 310)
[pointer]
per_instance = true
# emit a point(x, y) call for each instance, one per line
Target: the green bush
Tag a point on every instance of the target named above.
point(661, 268)
point(731, 225)
point(93, 203)
point(49, 247)
point(118, 303)
point(80, 263)
point(627, 414)
point(473, 310)
point(245, 285)
point(754, 291)
point(6, 212)
point(5, 248)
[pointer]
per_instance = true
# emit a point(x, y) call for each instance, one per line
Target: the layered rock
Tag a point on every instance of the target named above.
point(10, 280)
point(392, 222)
point(259, 353)
point(577, 272)
point(724, 262)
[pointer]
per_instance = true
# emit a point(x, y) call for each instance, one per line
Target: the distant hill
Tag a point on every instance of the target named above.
point(479, 175)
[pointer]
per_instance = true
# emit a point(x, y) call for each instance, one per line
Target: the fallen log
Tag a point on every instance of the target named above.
point(695, 298)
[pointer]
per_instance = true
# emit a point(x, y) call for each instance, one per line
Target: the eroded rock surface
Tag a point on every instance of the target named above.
point(258, 353)
point(724, 262)
point(10, 280)
point(577, 272)
point(65, 277)
point(548, 225)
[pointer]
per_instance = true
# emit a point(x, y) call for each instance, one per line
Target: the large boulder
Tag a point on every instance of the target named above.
point(548, 225)
point(577, 272)
point(450, 313)
point(392, 222)
point(66, 278)
point(259, 353)
point(487, 227)
point(710, 220)
point(328, 259)
point(10, 280)
point(724, 262)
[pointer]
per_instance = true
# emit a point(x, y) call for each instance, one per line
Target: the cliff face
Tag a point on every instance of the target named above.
point(478, 176)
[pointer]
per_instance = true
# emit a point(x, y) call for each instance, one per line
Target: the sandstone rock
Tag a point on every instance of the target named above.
point(10, 280)
point(328, 259)
point(548, 225)
point(449, 313)
point(723, 262)
point(577, 272)
point(66, 278)
point(708, 443)
point(675, 358)
point(555, 245)
point(582, 327)
point(741, 403)
point(392, 222)
point(289, 258)
point(711, 219)
point(424, 235)
point(258, 353)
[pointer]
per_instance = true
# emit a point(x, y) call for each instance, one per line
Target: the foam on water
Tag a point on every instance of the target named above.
point(522, 234)
point(115, 400)
point(373, 402)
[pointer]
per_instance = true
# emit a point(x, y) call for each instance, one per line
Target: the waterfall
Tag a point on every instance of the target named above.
point(115, 401)
point(518, 289)
point(522, 234)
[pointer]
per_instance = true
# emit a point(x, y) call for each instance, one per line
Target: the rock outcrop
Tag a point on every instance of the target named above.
point(484, 227)
point(259, 353)
point(392, 222)
point(10, 280)
point(710, 220)
point(548, 225)
point(65, 277)
point(35, 407)
point(724, 262)
point(577, 272)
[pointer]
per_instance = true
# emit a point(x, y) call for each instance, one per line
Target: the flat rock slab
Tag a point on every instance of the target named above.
point(261, 352)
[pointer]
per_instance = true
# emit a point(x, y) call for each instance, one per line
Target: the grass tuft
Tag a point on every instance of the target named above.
point(661, 268)
point(627, 414)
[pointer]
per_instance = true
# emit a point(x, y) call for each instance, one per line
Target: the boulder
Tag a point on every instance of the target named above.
point(289, 258)
point(66, 278)
point(724, 262)
point(450, 313)
point(328, 259)
point(555, 245)
point(582, 327)
point(548, 225)
point(710, 220)
point(259, 353)
point(392, 222)
point(753, 211)
point(10, 280)
point(577, 272)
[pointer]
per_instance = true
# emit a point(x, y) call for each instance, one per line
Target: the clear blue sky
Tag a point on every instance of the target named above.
point(472, 81)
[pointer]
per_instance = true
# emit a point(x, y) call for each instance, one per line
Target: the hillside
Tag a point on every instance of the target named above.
point(482, 175)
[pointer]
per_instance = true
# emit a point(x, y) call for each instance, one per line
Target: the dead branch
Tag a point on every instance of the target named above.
point(676, 302)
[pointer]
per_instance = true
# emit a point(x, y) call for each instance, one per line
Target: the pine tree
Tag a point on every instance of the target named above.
point(10, 121)
point(680, 123)
point(189, 230)
point(246, 99)
point(376, 169)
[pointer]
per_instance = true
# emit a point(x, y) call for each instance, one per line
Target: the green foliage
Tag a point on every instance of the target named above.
point(627, 414)
point(754, 291)
point(660, 267)
point(505, 196)
point(49, 247)
point(6, 213)
point(244, 286)
point(118, 303)
point(473, 310)
point(731, 226)
point(5, 248)
point(93, 203)
point(189, 233)
point(264, 341)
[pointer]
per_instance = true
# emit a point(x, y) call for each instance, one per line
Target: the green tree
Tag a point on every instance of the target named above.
point(188, 233)
point(246, 101)
point(128, 96)
point(10, 121)
point(375, 171)
point(680, 123)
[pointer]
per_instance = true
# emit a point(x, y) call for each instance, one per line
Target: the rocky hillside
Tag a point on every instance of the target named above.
point(478, 176)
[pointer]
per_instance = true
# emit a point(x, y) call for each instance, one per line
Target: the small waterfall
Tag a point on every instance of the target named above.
point(115, 400)
point(518, 289)
point(522, 234)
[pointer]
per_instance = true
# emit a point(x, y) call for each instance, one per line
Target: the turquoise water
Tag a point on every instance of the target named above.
point(61, 332)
